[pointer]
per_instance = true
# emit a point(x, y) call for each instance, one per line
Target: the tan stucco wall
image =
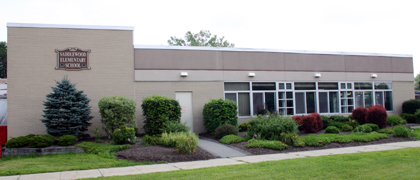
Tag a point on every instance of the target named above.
point(31, 63)
point(402, 91)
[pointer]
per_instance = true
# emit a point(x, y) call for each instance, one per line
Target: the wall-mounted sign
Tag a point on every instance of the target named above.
point(72, 59)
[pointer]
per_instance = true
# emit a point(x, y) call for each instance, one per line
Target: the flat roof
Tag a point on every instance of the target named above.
point(265, 50)
point(70, 26)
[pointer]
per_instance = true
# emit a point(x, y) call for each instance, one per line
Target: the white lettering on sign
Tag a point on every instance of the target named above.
point(72, 59)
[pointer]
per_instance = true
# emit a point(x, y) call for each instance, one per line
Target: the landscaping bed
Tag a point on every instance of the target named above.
point(258, 151)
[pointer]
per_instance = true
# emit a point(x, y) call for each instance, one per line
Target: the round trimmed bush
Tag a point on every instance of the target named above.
point(312, 123)
point(377, 115)
point(117, 111)
point(224, 130)
point(373, 126)
point(67, 140)
point(409, 117)
point(299, 120)
point(42, 141)
point(411, 106)
point(359, 114)
point(395, 120)
point(18, 142)
point(218, 112)
point(401, 131)
point(123, 135)
point(244, 126)
point(363, 129)
point(346, 128)
point(158, 110)
point(332, 130)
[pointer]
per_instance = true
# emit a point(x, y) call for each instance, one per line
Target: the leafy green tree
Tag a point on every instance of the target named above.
point(67, 110)
point(3, 59)
point(203, 38)
point(416, 82)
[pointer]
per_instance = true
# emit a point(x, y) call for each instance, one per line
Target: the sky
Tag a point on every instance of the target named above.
point(369, 26)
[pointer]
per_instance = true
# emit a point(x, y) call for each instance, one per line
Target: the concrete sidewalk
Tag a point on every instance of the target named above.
point(121, 171)
point(220, 150)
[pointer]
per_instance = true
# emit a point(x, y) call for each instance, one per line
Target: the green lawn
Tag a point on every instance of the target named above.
point(394, 164)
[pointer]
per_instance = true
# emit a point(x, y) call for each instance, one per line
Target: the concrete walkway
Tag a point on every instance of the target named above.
point(121, 171)
point(220, 150)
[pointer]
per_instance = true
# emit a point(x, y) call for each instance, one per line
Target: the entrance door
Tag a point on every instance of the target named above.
point(185, 100)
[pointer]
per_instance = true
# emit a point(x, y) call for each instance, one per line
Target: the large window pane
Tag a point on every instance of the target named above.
point(359, 99)
point(263, 86)
point(304, 85)
point(379, 98)
point(270, 102)
point(244, 104)
point(362, 85)
point(327, 86)
point(383, 85)
point(310, 102)
point(368, 98)
point(323, 102)
point(334, 102)
point(300, 103)
point(257, 99)
point(388, 101)
point(230, 96)
point(236, 86)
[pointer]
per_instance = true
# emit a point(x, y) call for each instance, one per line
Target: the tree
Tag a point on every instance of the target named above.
point(416, 82)
point(67, 110)
point(203, 38)
point(3, 60)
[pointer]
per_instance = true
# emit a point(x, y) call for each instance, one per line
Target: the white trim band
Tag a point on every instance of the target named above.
point(266, 50)
point(69, 26)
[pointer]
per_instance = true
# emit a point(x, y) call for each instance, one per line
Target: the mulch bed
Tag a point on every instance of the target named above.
point(258, 151)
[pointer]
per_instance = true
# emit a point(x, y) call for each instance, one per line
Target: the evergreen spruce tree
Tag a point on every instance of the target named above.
point(67, 110)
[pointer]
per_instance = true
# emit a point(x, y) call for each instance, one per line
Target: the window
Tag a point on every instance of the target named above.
point(285, 103)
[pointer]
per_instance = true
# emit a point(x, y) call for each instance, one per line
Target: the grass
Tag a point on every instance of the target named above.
point(59, 162)
point(97, 156)
point(394, 164)
point(254, 143)
point(230, 139)
point(323, 139)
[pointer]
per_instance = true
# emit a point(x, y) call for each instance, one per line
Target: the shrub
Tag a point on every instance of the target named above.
point(124, 135)
point(410, 106)
point(386, 131)
point(270, 127)
point(337, 118)
point(185, 142)
point(401, 131)
point(395, 120)
point(362, 129)
point(67, 140)
point(254, 143)
point(218, 112)
point(172, 126)
point(67, 110)
point(290, 139)
point(230, 139)
point(18, 142)
point(417, 116)
point(346, 128)
point(117, 111)
point(325, 121)
point(353, 123)
point(359, 114)
point(408, 117)
point(151, 140)
point(377, 115)
point(244, 126)
point(312, 123)
point(299, 120)
point(225, 129)
point(41, 141)
point(373, 126)
point(337, 124)
point(332, 130)
point(157, 110)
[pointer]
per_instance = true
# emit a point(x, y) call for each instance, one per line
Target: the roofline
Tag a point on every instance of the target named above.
point(70, 26)
point(265, 50)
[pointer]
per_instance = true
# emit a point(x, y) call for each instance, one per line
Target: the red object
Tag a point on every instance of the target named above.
point(359, 114)
point(377, 115)
point(312, 123)
point(3, 135)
